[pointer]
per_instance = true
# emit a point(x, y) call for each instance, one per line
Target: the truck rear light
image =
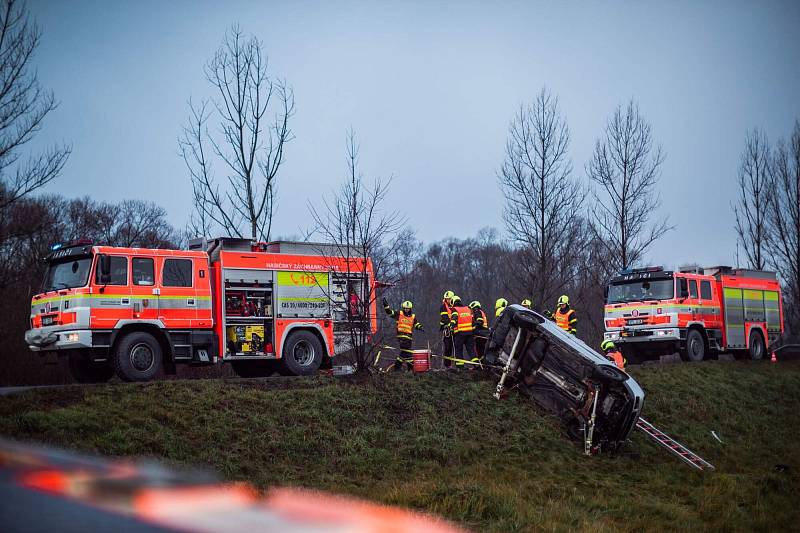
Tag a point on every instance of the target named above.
point(658, 310)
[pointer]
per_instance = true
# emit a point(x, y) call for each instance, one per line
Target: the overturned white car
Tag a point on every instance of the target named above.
point(598, 403)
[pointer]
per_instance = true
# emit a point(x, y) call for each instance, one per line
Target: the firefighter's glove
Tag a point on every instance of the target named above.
point(419, 327)
point(548, 314)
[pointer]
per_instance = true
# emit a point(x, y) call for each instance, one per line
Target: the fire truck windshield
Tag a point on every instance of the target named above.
point(639, 290)
point(67, 273)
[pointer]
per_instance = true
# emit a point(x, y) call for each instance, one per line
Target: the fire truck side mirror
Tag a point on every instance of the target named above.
point(104, 264)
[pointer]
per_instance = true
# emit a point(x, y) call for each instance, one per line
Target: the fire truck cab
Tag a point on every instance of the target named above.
point(694, 311)
point(262, 307)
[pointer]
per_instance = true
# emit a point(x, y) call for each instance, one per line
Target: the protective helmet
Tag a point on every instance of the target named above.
point(526, 303)
point(500, 303)
point(563, 299)
point(606, 345)
point(456, 300)
point(407, 304)
point(448, 295)
point(475, 303)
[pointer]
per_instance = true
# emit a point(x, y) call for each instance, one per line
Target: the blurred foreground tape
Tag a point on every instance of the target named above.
point(190, 500)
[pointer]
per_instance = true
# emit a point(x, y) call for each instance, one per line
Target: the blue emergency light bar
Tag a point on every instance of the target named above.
point(70, 244)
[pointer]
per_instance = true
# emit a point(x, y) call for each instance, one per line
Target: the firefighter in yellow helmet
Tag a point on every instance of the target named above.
point(526, 303)
point(406, 324)
point(564, 316)
point(611, 352)
point(499, 306)
point(463, 332)
point(480, 325)
point(445, 310)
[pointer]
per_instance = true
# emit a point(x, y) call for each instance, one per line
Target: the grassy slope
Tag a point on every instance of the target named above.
point(440, 443)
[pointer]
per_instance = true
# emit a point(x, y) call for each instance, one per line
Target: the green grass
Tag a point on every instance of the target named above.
point(441, 443)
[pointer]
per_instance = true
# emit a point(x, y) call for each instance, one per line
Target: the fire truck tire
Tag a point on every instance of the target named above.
point(85, 371)
point(757, 349)
point(253, 369)
point(137, 357)
point(695, 350)
point(302, 354)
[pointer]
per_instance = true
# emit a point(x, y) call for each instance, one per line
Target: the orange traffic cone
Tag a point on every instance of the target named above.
point(773, 359)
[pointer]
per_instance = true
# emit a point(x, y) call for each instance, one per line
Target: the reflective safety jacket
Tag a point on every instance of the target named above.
point(479, 319)
point(566, 320)
point(616, 356)
point(445, 310)
point(405, 324)
point(461, 319)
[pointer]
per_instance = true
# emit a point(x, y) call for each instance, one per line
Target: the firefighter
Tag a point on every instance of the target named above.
point(526, 303)
point(481, 327)
point(444, 327)
point(565, 316)
point(463, 332)
point(406, 324)
point(611, 352)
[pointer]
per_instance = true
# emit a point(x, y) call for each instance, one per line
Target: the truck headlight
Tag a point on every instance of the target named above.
point(73, 337)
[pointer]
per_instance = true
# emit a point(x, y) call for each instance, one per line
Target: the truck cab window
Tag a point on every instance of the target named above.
point(693, 288)
point(705, 290)
point(177, 273)
point(119, 271)
point(143, 271)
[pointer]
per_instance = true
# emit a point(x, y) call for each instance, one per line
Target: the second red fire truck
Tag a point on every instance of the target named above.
point(282, 306)
point(694, 311)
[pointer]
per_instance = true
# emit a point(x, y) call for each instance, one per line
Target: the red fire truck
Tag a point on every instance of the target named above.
point(283, 306)
point(694, 311)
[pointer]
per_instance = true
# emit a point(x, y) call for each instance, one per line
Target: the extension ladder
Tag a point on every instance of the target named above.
point(685, 454)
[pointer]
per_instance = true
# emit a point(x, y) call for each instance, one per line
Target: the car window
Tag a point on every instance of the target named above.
point(705, 290)
point(693, 288)
point(177, 273)
point(119, 271)
point(143, 271)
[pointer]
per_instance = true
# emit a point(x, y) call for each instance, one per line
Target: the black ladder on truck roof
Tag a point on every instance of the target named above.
point(685, 454)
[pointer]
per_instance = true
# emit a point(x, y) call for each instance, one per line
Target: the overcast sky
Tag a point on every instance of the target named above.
point(430, 88)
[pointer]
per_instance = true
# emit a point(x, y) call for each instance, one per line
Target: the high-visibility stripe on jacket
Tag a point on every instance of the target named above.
point(405, 324)
point(566, 321)
point(461, 319)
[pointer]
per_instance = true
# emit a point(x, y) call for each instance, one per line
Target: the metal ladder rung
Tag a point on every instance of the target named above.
point(683, 453)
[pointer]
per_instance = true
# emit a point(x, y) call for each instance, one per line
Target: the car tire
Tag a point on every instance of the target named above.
point(609, 374)
point(757, 349)
point(695, 350)
point(301, 354)
point(83, 370)
point(137, 357)
point(253, 369)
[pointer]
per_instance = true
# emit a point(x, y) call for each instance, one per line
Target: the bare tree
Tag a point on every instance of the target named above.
point(783, 222)
point(625, 168)
point(355, 222)
point(543, 201)
point(23, 108)
point(253, 111)
point(755, 189)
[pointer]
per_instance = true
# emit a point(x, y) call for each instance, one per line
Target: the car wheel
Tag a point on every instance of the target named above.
point(253, 369)
point(757, 348)
point(302, 354)
point(695, 350)
point(609, 374)
point(84, 370)
point(137, 357)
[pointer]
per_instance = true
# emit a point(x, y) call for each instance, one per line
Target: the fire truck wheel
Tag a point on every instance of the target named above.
point(695, 350)
point(85, 371)
point(137, 357)
point(757, 348)
point(302, 354)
